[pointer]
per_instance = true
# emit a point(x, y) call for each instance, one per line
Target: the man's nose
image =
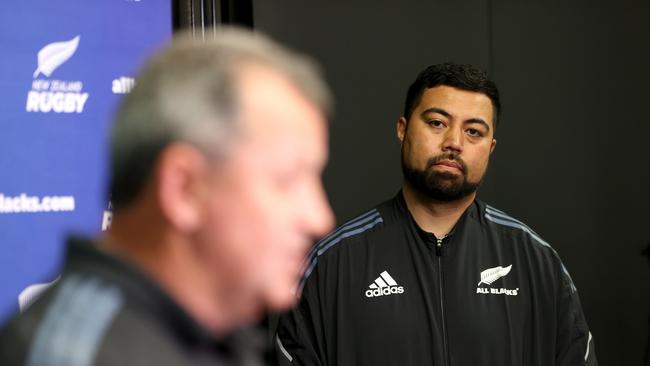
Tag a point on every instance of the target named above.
point(453, 141)
point(319, 218)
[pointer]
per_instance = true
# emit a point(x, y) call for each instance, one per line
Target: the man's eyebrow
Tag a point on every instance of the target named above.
point(479, 121)
point(447, 114)
point(435, 110)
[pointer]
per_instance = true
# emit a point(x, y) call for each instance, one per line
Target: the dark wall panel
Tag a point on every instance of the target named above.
point(573, 151)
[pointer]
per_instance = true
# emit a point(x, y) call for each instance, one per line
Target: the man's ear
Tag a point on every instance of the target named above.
point(401, 129)
point(180, 174)
point(493, 145)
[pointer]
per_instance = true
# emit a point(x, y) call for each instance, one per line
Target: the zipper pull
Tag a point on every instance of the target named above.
point(439, 247)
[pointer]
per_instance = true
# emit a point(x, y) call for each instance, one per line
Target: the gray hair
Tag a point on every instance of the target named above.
point(187, 93)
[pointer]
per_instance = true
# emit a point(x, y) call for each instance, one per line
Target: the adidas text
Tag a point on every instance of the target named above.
point(383, 291)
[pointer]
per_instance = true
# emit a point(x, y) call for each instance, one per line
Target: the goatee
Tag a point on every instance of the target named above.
point(440, 186)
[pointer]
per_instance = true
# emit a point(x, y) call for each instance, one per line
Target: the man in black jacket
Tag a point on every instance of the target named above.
point(434, 276)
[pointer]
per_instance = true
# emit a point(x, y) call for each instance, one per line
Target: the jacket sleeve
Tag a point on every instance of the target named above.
point(299, 336)
point(575, 344)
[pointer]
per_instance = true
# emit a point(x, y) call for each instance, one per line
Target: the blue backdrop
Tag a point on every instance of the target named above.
point(63, 67)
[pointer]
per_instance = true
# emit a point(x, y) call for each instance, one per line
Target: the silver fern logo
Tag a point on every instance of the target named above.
point(58, 96)
point(489, 276)
point(54, 55)
point(32, 292)
point(492, 274)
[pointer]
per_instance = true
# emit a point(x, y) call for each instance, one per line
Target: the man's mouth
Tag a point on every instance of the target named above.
point(450, 164)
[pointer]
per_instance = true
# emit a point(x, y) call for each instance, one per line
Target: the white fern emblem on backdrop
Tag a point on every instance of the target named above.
point(492, 274)
point(54, 55)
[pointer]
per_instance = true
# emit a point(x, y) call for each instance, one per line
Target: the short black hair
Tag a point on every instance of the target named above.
point(466, 77)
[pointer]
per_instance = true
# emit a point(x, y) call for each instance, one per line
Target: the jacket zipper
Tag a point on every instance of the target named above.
point(442, 302)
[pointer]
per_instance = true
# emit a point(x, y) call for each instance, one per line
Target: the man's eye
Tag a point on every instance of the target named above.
point(474, 132)
point(436, 123)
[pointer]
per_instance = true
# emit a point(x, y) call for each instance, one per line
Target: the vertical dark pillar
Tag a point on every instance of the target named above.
point(201, 17)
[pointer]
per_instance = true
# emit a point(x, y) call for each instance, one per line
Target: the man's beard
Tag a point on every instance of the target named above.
point(440, 186)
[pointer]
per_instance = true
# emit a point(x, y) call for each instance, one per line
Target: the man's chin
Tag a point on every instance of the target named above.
point(452, 176)
point(440, 185)
point(282, 303)
point(284, 297)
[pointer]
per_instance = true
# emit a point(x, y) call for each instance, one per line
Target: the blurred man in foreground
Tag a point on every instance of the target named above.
point(216, 162)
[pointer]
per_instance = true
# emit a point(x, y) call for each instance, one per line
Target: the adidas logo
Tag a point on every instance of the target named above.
point(384, 285)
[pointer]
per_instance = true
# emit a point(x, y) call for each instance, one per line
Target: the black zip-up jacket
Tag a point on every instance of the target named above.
point(381, 291)
point(103, 311)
